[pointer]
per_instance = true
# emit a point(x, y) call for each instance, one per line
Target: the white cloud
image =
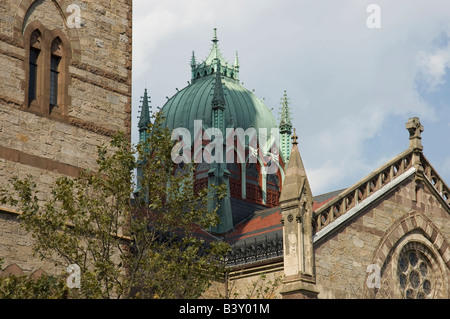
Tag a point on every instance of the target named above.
point(434, 67)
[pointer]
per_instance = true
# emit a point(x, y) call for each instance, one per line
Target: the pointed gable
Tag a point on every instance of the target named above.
point(410, 164)
point(295, 176)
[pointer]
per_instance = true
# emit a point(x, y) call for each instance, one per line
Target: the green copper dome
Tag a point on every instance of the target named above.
point(216, 97)
point(242, 108)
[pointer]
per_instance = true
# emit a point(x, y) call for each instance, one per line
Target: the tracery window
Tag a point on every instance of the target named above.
point(415, 273)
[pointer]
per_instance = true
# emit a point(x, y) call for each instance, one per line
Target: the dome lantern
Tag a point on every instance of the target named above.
point(208, 66)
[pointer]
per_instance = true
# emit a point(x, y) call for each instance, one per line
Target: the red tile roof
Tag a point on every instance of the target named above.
point(263, 222)
point(260, 223)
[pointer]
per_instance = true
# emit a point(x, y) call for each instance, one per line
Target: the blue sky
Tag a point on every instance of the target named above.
point(351, 88)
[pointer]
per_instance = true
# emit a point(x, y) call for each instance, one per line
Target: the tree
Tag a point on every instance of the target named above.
point(141, 246)
point(24, 287)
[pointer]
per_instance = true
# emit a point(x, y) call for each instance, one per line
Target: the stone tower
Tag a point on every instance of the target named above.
point(65, 87)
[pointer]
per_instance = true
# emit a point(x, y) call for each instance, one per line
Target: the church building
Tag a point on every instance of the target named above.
point(65, 88)
point(386, 236)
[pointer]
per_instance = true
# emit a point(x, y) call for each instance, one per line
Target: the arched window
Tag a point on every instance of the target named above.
point(55, 61)
point(34, 61)
point(47, 71)
point(415, 272)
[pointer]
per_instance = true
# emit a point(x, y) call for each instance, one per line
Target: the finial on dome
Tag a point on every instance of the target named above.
point(236, 60)
point(215, 40)
point(193, 61)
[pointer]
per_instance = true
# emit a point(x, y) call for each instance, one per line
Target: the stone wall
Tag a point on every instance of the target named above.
point(250, 281)
point(16, 247)
point(373, 238)
point(259, 284)
point(99, 91)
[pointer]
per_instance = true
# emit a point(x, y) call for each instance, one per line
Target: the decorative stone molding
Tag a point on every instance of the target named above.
point(414, 232)
point(15, 270)
point(411, 158)
point(255, 251)
point(361, 191)
point(61, 5)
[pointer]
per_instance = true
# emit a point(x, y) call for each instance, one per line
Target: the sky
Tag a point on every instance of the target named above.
point(354, 74)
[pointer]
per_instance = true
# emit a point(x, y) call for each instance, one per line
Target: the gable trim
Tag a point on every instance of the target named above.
point(361, 205)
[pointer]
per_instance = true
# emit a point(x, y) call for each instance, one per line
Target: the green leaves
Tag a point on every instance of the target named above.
point(126, 246)
point(23, 287)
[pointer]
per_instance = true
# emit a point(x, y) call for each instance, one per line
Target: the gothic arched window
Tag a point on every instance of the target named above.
point(47, 71)
point(55, 61)
point(35, 51)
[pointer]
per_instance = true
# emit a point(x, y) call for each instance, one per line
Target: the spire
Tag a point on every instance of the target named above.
point(144, 119)
point(285, 129)
point(218, 100)
point(193, 61)
point(193, 66)
point(236, 68)
point(215, 40)
point(215, 53)
point(295, 175)
point(285, 120)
